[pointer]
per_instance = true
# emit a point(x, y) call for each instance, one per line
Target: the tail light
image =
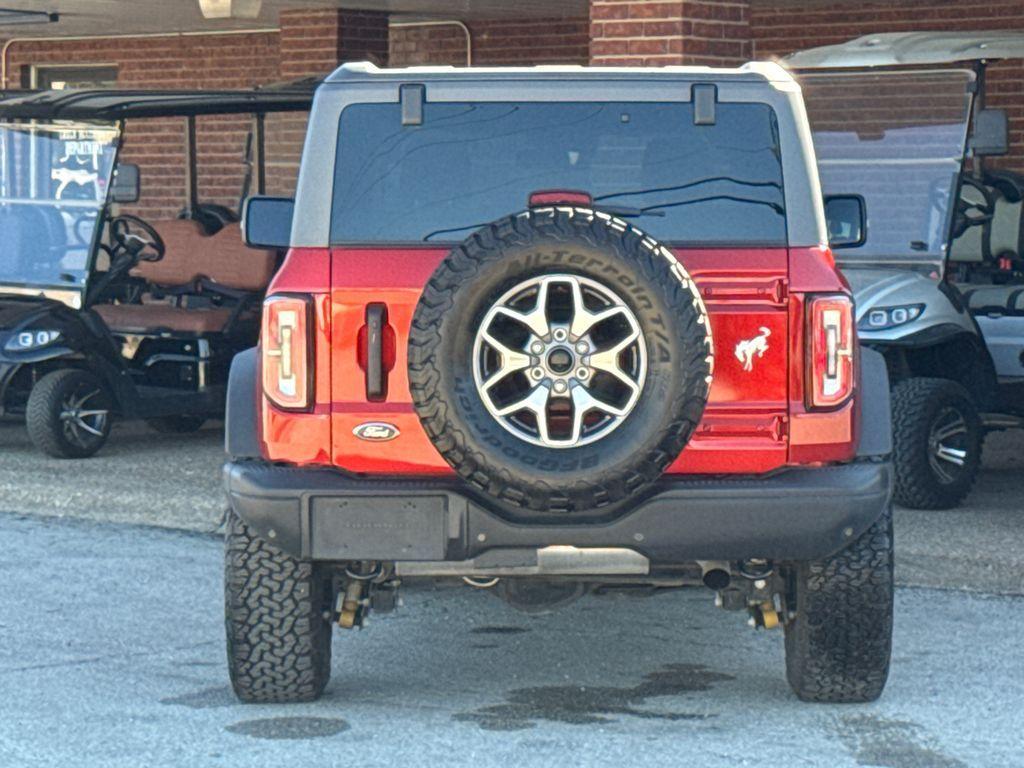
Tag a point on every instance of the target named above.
point(287, 363)
point(831, 351)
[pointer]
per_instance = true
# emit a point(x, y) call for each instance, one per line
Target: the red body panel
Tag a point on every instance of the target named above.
point(755, 420)
point(304, 438)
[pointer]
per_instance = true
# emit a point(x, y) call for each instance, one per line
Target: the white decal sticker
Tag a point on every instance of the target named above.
point(746, 350)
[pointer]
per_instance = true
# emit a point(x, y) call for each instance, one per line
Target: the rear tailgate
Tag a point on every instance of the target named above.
point(745, 425)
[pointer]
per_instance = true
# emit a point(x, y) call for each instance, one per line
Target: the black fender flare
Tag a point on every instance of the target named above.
point(241, 418)
point(875, 406)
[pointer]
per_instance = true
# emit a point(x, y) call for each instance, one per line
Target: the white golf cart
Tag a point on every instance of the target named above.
point(931, 240)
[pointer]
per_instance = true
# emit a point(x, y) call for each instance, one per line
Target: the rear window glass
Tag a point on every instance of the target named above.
point(470, 164)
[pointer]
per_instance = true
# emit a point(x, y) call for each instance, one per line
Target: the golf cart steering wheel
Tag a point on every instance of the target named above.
point(982, 212)
point(135, 237)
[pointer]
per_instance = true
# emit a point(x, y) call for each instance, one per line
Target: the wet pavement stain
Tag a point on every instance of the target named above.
point(498, 630)
point(582, 705)
point(207, 698)
point(884, 743)
point(484, 646)
point(276, 728)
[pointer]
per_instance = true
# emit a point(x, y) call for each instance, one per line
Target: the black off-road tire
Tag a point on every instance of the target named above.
point(539, 483)
point(916, 404)
point(278, 638)
point(176, 425)
point(839, 643)
point(43, 419)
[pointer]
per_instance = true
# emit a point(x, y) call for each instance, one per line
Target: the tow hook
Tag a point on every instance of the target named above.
point(352, 606)
point(764, 615)
point(363, 594)
point(762, 602)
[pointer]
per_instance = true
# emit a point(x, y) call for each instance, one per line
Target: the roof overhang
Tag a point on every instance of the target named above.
point(114, 105)
point(103, 18)
point(898, 49)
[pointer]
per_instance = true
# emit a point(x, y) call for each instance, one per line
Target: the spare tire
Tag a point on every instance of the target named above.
point(559, 360)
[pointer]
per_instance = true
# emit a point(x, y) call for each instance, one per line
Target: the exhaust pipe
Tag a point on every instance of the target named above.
point(715, 574)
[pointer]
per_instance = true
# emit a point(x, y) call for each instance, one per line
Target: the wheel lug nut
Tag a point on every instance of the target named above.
point(582, 348)
point(560, 386)
point(537, 347)
point(582, 373)
point(560, 334)
point(537, 373)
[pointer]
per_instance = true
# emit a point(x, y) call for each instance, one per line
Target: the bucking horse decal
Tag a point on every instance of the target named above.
point(746, 350)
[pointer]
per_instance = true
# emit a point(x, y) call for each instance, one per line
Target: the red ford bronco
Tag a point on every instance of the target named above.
point(550, 331)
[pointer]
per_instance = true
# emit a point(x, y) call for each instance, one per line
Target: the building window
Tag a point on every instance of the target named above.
point(58, 78)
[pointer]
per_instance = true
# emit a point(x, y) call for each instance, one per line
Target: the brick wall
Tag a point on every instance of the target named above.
point(783, 27)
point(653, 33)
point(495, 43)
point(313, 42)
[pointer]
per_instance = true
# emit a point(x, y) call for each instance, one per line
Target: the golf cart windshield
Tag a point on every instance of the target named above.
point(53, 186)
point(897, 140)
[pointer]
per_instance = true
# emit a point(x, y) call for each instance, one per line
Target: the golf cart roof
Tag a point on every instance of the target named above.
point(894, 49)
point(119, 105)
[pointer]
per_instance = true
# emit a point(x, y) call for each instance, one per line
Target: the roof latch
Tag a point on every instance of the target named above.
point(704, 97)
point(412, 97)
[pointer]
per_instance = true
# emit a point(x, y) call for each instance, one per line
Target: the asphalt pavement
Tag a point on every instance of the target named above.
point(111, 654)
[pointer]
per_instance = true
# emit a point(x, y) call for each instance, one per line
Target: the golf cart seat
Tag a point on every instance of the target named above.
point(1003, 235)
point(1006, 236)
point(995, 299)
point(195, 268)
point(222, 258)
point(973, 243)
point(156, 317)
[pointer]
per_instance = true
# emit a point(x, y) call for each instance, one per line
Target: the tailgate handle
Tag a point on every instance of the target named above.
point(376, 373)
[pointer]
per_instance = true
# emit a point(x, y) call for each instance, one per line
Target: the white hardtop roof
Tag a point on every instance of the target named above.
point(893, 49)
point(765, 71)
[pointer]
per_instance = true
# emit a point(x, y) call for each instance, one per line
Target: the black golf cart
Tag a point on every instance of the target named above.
point(103, 314)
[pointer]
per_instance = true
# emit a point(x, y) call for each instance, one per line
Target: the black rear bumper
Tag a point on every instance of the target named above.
point(326, 515)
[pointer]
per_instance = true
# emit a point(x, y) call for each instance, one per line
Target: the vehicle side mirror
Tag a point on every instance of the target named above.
point(267, 221)
point(846, 218)
point(991, 134)
point(127, 184)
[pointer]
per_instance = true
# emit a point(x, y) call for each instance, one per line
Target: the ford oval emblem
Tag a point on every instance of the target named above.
point(377, 431)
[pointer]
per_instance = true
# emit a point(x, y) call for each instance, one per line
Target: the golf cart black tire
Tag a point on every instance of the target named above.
point(278, 639)
point(176, 425)
point(43, 414)
point(839, 643)
point(536, 483)
point(915, 405)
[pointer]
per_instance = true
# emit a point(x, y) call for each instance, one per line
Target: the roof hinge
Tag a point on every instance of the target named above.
point(412, 98)
point(704, 97)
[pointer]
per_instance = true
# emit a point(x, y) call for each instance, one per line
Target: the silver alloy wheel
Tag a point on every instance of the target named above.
point(559, 360)
point(947, 445)
point(79, 422)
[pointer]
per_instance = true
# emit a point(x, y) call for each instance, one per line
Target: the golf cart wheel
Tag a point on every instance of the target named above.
point(69, 414)
point(839, 642)
point(559, 361)
point(176, 425)
point(275, 615)
point(936, 443)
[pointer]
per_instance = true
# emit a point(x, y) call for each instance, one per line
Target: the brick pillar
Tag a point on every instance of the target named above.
point(315, 42)
point(652, 33)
